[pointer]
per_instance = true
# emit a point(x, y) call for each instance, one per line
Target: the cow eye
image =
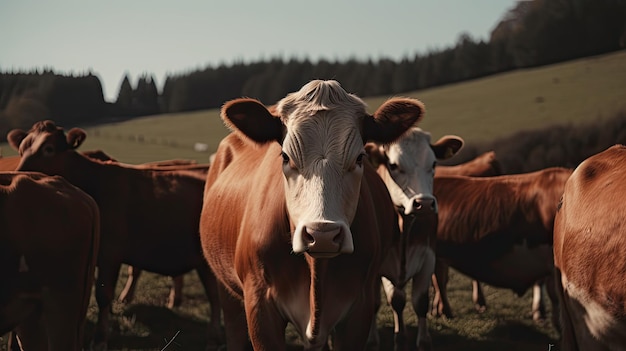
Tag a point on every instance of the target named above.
point(285, 157)
point(359, 160)
point(393, 167)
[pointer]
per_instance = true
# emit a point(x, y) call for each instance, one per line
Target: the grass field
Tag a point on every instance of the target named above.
point(480, 110)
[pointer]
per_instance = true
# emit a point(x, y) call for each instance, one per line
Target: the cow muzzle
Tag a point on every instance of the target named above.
point(323, 240)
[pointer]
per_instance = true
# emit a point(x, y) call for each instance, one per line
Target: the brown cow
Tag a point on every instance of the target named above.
point(483, 165)
point(295, 220)
point(149, 217)
point(127, 294)
point(498, 229)
point(49, 239)
point(590, 254)
point(407, 167)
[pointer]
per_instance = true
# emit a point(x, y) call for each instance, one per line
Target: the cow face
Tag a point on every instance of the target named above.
point(42, 148)
point(322, 130)
point(408, 167)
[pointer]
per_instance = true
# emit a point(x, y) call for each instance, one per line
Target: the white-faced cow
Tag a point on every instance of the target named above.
point(49, 238)
point(407, 166)
point(590, 254)
point(498, 230)
point(295, 220)
point(149, 218)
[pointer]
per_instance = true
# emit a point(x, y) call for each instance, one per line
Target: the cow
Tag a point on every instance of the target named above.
point(498, 230)
point(590, 254)
point(49, 241)
point(295, 220)
point(407, 166)
point(149, 218)
point(10, 163)
point(483, 165)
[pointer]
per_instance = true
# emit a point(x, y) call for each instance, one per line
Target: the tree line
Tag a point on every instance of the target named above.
point(532, 33)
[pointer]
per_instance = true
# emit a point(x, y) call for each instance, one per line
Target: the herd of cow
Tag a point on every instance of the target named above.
point(306, 209)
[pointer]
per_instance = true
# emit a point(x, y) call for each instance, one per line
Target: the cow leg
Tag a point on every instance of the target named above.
point(442, 306)
point(128, 293)
point(210, 284)
point(419, 298)
point(538, 305)
point(31, 334)
point(266, 326)
point(63, 319)
point(478, 297)
point(105, 290)
point(373, 339)
point(396, 298)
point(234, 321)
point(176, 292)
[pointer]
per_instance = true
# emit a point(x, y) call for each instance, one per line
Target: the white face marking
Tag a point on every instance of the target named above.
point(322, 153)
point(411, 167)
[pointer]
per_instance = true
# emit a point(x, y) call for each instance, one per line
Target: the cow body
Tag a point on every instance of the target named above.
point(407, 167)
point(49, 239)
point(483, 165)
point(590, 254)
point(149, 217)
point(295, 221)
point(498, 229)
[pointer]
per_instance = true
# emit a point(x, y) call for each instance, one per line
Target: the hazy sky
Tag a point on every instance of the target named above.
point(161, 37)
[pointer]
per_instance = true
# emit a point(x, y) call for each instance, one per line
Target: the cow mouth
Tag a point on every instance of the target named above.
point(317, 254)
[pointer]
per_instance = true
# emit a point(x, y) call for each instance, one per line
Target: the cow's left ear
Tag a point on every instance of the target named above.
point(253, 119)
point(75, 137)
point(447, 146)
point(392, 119)
point(15, 138)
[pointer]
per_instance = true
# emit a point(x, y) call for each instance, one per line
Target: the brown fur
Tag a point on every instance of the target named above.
point(589, 253)
point(246, 229)
point(484, 165)
point(149, 217)
point(49, 239)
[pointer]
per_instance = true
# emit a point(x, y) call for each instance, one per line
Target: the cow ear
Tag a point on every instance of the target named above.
point(15, 138)
point(447, 146)
point(392, 119)
point(75, 137)
point(253, 119)
point(376, 154)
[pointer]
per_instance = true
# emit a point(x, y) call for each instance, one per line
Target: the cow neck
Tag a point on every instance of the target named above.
point(318, 272)
point(87, 174)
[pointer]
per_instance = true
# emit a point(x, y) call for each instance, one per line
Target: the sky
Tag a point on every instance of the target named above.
point(114, 38)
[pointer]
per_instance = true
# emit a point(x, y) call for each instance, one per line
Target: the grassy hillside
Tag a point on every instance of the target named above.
point(479, 110)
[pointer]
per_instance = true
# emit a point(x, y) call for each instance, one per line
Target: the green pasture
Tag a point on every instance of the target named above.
point(580, 91)
point(481, 110)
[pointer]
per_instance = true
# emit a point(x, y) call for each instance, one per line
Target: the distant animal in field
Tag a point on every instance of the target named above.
point(49, 241)
point(149, 218)
point(407, 166)
point(498, 230)
point(590, 254)
point(296, 222)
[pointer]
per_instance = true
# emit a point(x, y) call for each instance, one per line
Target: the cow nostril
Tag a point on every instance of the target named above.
point(417, 205)
point(338, 238)
point(308, 238)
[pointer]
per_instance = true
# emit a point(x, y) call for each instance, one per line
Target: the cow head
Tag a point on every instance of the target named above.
point(408, 167)
point(41, 148)
point(322, 130)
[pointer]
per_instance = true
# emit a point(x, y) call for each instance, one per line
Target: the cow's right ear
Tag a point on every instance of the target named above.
point(376, 154)
point(15, 138)
point(253, 119)
point(447, 146)
point(75, 137)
